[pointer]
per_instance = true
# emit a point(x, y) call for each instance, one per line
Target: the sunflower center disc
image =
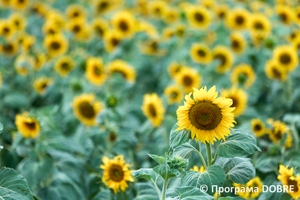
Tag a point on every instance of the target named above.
point(122, 73)
point(257, 127)
point(240, 20)
point(205, 115)
point(152, 110)
point(276, 73)
point(87, 110)
point(115, 41)
point(116, 173)
point(187, 81)
point(30, 125)
point(201, 53)
point(65, 66)
point(199, 17)
point(123, 26)
point(235, 44)
point(285, 58)
point(258, 26)
point(55, 45)
point(97, 71)
point(294, 183)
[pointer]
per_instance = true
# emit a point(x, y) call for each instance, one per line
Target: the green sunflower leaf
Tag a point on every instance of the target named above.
point(187, 148)
point(178, 137)
point(239, 170)
point(146, 173)
point(103, 194)
point(190, 193)
point(164, 170)
point(13, 186)
point(159, 159)
point(238, 144)
point(231, 198)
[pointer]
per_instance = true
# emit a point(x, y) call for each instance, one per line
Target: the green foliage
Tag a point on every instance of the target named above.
point(178, 137)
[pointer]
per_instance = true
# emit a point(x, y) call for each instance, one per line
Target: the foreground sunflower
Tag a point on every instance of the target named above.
point(86, 108)
point(153, 109)
point(122, 68)
point(200, 53)
point(244, 75)
point(286, 57)
point(116, 173)
point(288, 179)
point(208, 117)
point(95, 71)
point(239, 99)
point(189, 78)
point(41, 84)
point(27, 126)
point(258, 127)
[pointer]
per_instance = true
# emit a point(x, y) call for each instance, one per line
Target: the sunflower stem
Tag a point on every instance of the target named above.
point(215, 158)
point(208, 151)
point(163, 197)
point(202, 159)
point(157, 189)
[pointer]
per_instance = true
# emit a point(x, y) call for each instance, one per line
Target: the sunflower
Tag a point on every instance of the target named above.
point(239, 99)
point(197, 169)
point(200, 53)
point(57, 18)
point(174, 94)
point(19, 4)
point(41, 84)
point(286, 57)
point(28, 42)
point(29, 127)
point(189, 78)
point(275, 71)
point(208, 117)
point(39, 8)
point(157, 8)
point(297, 15)
point(79, 28)
point(112, 39)
point(288, 179)
point(5, 3)
point(243, 74)
point(124, 22)
point(152, 47)
point(258, 127)
point(40, 60)
point(86, 109)
point(64, 66)
point(56, 44)
point(116, 173)
point(24, 64)
point(285, 174)
point(50, 28)
point(198, 17)
point(238, 18)
point(122, 68)
point(296, 43)
point(76, 11)
point(167, 33)
point(285, 13)
point(7, 28)
point(180, 30)
point(174, 68)
point(148, 28)
point(18, 21)
point(95, 71)
point(10, 48)
point(224, 56)
point(238, 43)
point(260, 26)
point(153, 109)
point(100, 26)
point(254, 183)
point(104, 6)
point(221, 10)
point(278, 130)
point(171, 15)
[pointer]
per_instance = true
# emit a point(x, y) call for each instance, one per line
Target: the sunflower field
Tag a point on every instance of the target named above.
point(149, 99)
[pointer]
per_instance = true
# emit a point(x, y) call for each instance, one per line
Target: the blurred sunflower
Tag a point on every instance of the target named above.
point(157, 8)
point(221, 10)
point(253, 183)
point(76, 11)
point(57, 18)
point(297, 15)
point(39, 61)
point(112, 39)
point(174, 68)
point(180, 30)
point(50, 28)
point(239, 99)
point(41, 84)
point(5, 3)
point(64, 65)
point(95, 71)
point(286, 57)
point(116, 173)
point(86, 109)
point(278, 130)
point(189, 78)
point(258, 127)
point(79, 28)
point(122, 68)
point(20, 4)
point(171, 15)
point(275, 71)
point(7, 28)
point(153, 109)
point(288, 179)
point(238, 43)
point(244, 75)
point(24, 64)
point(29, 127)
point(56, 44)
point(174, 94)
point(285, 13)
point(238, 18)
point(296, 43)
point(124, 22)
point(168, 33)
point(208, 117)
point(224, 56)
point(104, 6)
point(260, 26)
point(40, 8)
point(100, 26)
point(10, 48)
point(148, 28)
point(28, 42)
point(152, 47)
point(198, 17)
point(18, 20)
point(198, 169)
point(200, 53)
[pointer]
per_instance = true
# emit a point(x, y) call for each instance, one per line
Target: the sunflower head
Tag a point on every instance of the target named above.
point(64, 66)
point(243, 75)
point(95, 71)
point(125, 23)
point(18, 21)
point(208, 117)
point(258, 127)
point(56, 44)
point(41, 84)
point(153, 109)
point(286, 57)
point(198, 17)
point(122, 68)
point(10, 48)
point(157, 8)
point(20, 4)
point(189, 78)
point(76, 11)
point(225, 58)
point(200, 53)
point(171, 15)
point(29, 127)
point(112, 39)
point(174, 94)
point(100, 26)
point(275, 71)
point(276, 133)
point(238, 18)
point(7, 28)
point(255, 183)
point(174, 68)
point(116, 173)
point(239, 99)
point(284, 13)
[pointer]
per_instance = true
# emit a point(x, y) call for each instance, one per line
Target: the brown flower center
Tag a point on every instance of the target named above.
point(123, 25)
point(30, 125)
point(187, 80)
point(258, 26)
point(285, 58)
point(152, 110)
point(276, 73)
point(199, 17)
point(97, 70)
point(295, 184)
point(240, 20)
point(76, 29)
point(201, 53)
point(115, 41)
point(205, 115)
point(235, 102)
point(257, 127)
point(87, 110)
point(221, 58)
point(116, 173)
point(235, 44)
point(55, 45)
point(65, 66)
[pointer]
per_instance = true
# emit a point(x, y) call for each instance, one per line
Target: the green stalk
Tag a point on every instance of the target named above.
point(157, 189)
point(202, 159)
point(163, 197)
point(215, 158)
point(208, 151)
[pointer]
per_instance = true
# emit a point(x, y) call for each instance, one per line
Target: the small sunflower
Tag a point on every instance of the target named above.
point(157, 8)
point(239, 99)
point(180, 30)
point(79, 28)
point(124, 22)
point(258, 127)
point(198, 169)
point(148, 28)
point(20, 4)
point(198, 17)
point(189, 78)
point(112, 39)
point(10, 48)
point(56, 44)
point(18, 20)
point(200, 53)
point(7, 28)
point(95, 71)
point(260, 26)
point(238, 43)
point(168, 33)
point(28, 42)
point(50, 28)
point(224, 56)
point(29, 127)
point(116, 173)
point(105, 6)
point(76, 11)
point(24, 64)
point(296, 43)
point(171, 15)
point(243, 74)
point(57, 18)
point(274, 71)
point(238, 18)
point(254, 183)
point(153, 109)
point(39, 61)
point(41, 84)
point(40, 8)
point(286, 57)
point(174, 68)
point(208, 117)
point(174, 94)
point(221, 10)
point(285, 13)
point(86, 109)
point(64, 66)
point(288, 179)
point(152, 47)
point(278, 130)
point(124, 69)
point(100, 26)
